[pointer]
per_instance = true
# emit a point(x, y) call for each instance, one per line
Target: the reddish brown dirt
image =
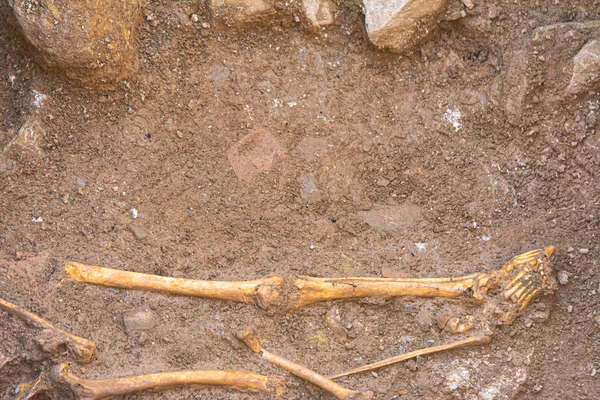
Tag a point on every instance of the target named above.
point(364, 135)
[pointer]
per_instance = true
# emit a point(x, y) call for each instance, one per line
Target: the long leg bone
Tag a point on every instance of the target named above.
point(261, 291)
point(472, 341)
point(82, 349)
point(308, 375)
point(515, 284)
point(87, 389)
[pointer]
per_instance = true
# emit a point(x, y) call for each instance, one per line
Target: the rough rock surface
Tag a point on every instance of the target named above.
point(241, 12)
point(586, 68)
point(93, 42)
point(399, 25)
point(318, 12)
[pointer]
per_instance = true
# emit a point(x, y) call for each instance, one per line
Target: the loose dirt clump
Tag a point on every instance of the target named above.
point(283, 147)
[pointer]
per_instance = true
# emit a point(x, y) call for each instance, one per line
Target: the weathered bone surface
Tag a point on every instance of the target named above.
point(472, 341)
point(300, 371)
point(504, 293)
point(86, 389)
point(263, 292)
point(52, 337)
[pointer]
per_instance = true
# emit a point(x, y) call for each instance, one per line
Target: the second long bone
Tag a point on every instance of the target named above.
point(264, 292)
point(517, 283)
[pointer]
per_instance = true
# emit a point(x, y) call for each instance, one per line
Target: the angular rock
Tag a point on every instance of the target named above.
point(254, 154)
point(393, 218)
point(586, 69)
point(308, 190)
point(139, 320)
point(92, 41)
point(400, 25)
point(241, 12)
point(318, 12)
point(25, 147)
point(138, 232)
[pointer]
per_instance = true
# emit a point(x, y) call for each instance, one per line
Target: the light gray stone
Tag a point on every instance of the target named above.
point(400, 25)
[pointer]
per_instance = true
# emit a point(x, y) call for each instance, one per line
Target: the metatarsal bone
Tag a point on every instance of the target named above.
point(300, 371)
point(81, 348)
point(472, 341)
point(261, 291)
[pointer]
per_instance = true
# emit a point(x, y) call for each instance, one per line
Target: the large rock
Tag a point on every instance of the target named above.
point(586, 68)
point(92, 41)
point(400, 25)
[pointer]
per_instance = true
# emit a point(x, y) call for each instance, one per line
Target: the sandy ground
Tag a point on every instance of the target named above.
point(361, 163)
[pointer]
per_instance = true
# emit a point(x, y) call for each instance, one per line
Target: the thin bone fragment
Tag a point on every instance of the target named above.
point(300, 371)
point(472, 341)
point(260, 291)
point(506, 291)
point(81, 348)
point(87, 389)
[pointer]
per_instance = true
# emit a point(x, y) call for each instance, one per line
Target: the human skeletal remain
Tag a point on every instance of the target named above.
point(86, 389)
point(263, 292)
point(503, 293)
point(472, 341)
point(52, 337)
point(340, 392)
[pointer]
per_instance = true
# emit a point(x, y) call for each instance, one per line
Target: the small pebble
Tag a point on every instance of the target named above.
point(570, 308)
point(179, 134)
point(377, 375)
point(194, 18)
point(584, 251)
point(134, 213)
point(563, 277)
point(593, 373)
point(570, 249)
point(115, 188)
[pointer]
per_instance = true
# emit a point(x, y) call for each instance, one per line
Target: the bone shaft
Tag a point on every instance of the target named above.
point(472, 341)
point(122, 386)
point(24, 315)
point(241, 291)
point(308, 375)
point(319, 289)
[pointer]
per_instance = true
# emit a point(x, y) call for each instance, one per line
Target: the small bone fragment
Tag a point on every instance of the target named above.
point(453, 324)
point(87, 389)
point(81, 348)
point(334, 321)
point(513, 286)
point(261, 291)
point(340, 392)
point(472, 341)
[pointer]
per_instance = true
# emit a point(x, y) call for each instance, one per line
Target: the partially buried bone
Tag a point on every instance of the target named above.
point(504, 293)
point(87, 389)
point(52, 337)
point(472, 341)
point(263, 292)
point(340, 392)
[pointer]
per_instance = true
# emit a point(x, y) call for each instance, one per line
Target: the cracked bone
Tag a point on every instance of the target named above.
point(52, 337)
point(340, 392)
point(504, 293)
point(260, 291)
point(471, 341)
point(87, 389)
